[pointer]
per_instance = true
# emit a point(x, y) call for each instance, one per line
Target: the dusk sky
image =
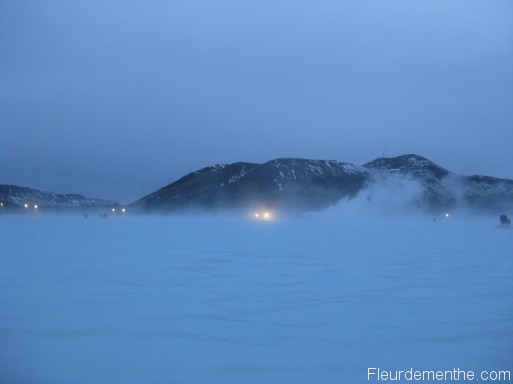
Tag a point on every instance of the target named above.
point(115, 99)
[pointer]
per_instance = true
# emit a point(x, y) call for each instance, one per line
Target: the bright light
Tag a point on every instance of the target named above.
point(1, 204)
point(26, 205)
point(113, 209)
point(263, 215)
point(447, 214)
point(35, 206)
point(123, 210)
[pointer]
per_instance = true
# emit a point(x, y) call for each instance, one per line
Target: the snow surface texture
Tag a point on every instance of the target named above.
point(317, 299)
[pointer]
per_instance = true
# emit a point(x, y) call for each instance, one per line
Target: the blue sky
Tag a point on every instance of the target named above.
point(115, 99)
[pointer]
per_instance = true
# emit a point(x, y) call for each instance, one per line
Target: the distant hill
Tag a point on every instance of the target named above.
point(13, 197)
point(288, 184)
point(301, 185)
point(442, 189)
point(296, 186)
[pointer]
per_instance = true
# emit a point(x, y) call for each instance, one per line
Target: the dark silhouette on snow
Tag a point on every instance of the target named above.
point(505, 222)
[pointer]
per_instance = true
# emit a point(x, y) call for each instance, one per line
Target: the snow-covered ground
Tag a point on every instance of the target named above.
point(317, 299)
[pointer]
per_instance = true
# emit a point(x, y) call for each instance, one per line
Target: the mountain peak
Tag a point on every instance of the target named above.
point(408, 164)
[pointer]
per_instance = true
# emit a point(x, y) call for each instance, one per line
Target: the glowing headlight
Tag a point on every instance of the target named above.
point(263, 215)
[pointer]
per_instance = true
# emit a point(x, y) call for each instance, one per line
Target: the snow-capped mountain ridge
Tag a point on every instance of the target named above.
point(289, 183)
point(408, 164)
point(306, 185)
point(299, 185)
point(13, 196)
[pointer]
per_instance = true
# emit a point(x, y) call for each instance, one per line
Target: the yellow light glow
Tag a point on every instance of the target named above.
point(263, 215)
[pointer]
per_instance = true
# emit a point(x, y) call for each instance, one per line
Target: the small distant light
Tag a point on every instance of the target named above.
point(26, 205)
point(1, 204)
point(113, 209)
point(35, 206)
point(447, 214)
point(263, 215)
point(123, 210)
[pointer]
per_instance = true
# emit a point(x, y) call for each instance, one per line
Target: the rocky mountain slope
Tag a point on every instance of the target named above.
point(310, 185)
point(296, 185)
point(287, 184)
point(441, 189)
point(17, 198)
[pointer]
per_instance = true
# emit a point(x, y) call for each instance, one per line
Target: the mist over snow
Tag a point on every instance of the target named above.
point(227, 299)
point(394, 196)
point(391, 196)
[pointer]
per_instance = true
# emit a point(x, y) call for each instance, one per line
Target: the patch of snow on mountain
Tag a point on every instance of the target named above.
point(488, 186)
point(419, 162)
point(315, 169)
point(353, 169)
point(240, 175)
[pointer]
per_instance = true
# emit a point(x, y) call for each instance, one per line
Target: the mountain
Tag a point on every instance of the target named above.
point(287, 184)
point(296, 185)
point(442, 189)
point(301, 185)
point(487, 192)
point(13, 197)
point(413, 165)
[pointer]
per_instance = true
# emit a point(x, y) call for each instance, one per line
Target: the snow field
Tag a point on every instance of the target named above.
point(317, 299)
